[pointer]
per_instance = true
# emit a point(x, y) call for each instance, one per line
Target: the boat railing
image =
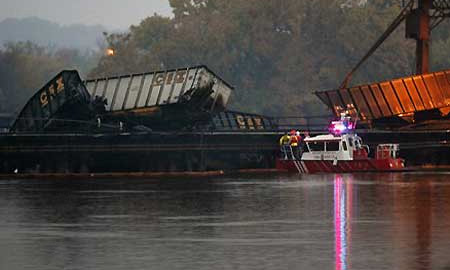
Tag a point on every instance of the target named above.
point(387, 150)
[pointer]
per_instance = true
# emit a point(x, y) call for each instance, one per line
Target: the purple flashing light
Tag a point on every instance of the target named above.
point(341, 127)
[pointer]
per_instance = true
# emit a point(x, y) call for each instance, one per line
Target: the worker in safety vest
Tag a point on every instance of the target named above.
point(285, 142)
point(300, 143)
point(294, 138)
point(285, 139)
point(294, 144)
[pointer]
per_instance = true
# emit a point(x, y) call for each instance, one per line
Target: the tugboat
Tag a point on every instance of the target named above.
point(340, 151)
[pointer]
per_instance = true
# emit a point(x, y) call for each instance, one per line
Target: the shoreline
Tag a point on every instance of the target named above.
point(150, 175)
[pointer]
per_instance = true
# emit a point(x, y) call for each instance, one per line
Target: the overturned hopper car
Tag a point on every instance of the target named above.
point(63, 103)
point(192, 98)
point(409, 102)
point(161, 100)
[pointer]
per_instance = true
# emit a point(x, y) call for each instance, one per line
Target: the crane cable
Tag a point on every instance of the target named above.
point(398, 20)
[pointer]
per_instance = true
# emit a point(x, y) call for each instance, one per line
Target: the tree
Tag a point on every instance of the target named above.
point(276, 53)
point(25, 67)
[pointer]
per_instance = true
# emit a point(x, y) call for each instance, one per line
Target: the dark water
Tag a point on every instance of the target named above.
point(365, 221)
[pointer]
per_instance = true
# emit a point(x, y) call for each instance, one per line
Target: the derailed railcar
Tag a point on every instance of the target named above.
point(173, 120)
point(138, 91)
point(240, 121)
point(398, 103)
point(64, 100)
point(162, 100)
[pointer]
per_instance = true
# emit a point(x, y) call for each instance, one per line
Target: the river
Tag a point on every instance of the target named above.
point(324, 221)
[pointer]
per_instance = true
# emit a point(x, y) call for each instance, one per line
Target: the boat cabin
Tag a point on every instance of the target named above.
point(332, 147)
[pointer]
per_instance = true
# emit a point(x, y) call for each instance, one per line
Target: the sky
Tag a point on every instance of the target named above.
point(113, 14)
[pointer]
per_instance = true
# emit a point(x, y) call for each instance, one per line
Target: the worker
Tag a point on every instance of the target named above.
point(294, 139)
point(294, 144)
point(301, 144)
point(285, 142)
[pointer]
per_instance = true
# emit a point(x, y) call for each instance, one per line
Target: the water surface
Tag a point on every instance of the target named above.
point(361, 221)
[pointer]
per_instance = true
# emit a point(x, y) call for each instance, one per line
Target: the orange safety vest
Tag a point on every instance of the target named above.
point(294, 140)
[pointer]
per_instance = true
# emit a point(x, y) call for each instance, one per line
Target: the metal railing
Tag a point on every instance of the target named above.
point(304, 123)
point(223, 122)
point(56, 125)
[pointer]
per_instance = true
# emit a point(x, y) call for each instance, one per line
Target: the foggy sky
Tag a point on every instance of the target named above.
point(116, 14)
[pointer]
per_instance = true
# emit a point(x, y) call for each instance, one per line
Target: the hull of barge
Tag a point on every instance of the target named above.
point(184, 151)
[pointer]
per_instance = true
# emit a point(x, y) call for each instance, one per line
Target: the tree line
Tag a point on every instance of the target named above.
point(275, 52)
point(25, 67)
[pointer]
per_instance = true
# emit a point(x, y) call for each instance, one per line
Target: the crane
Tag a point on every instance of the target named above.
point(421, 17)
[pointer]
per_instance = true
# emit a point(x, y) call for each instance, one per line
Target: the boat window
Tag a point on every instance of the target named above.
point(350, 142)
point(333, 146)
point(344, 145)
point(305, 148)
point(316, 146)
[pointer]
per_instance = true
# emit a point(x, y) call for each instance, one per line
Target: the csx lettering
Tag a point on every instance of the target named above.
point(52, 92)
point(258, 123)
point(250, 123)
point(180, 76)
point(44, 99)
point(241, 122)
point(159, 79)
point(169, 78)
point(59, 85)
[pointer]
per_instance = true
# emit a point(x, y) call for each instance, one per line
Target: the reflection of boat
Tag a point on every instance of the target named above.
point(340, 151)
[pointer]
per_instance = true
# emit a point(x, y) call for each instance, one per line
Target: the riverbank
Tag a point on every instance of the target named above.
point(144, 175)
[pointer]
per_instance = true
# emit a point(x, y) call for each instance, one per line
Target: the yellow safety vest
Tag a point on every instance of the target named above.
point(285, 140)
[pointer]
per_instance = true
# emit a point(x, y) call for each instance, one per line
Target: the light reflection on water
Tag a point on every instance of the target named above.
point(361, 221)
point(342, 213)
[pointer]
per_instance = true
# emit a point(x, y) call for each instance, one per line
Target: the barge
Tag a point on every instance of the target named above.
point(165, 121)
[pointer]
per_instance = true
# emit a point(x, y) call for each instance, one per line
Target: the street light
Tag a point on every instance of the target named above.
point(109, 52)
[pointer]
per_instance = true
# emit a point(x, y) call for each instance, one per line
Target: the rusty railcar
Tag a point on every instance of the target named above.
point(396, 103)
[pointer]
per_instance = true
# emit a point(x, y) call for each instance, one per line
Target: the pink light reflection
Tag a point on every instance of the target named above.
point(342, 214)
